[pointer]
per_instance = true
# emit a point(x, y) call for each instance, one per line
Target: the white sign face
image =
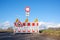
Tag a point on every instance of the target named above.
point(27, 9)
point(27, 14)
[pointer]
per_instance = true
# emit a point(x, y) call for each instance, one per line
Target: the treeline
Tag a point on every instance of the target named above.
point(9, 29)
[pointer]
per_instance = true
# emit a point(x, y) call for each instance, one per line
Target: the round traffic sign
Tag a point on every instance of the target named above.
point(27, 9)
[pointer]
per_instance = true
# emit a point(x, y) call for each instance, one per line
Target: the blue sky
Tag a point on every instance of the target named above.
point(44, 10)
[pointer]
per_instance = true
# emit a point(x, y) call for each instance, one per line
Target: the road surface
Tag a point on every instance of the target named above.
point(11, 36)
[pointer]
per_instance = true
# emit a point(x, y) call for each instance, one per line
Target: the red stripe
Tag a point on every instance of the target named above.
point(28, 30)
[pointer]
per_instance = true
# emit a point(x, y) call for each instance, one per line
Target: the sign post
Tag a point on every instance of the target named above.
point(27, 9)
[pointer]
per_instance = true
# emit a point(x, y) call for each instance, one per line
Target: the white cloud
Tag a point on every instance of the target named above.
point(5, 25)
point(43, 25)
point(49, 25)
point(58, 25)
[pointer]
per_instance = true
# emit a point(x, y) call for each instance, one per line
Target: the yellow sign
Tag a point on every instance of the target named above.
point(36, 20)
point(16, 20)
point(26, 20)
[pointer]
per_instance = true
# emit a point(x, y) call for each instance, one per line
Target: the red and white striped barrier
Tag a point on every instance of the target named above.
point(29, 27)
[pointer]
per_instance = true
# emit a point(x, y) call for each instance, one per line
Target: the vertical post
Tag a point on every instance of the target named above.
point(27, 9)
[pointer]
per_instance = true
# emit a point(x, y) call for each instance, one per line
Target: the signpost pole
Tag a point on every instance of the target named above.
point(27, 9)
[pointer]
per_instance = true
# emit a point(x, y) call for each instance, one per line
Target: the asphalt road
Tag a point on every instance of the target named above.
point(20, 36)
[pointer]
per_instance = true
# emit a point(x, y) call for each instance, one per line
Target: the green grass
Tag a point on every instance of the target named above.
point(51, 32)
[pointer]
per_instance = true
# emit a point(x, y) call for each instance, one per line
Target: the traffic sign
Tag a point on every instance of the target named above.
point(27, 9)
